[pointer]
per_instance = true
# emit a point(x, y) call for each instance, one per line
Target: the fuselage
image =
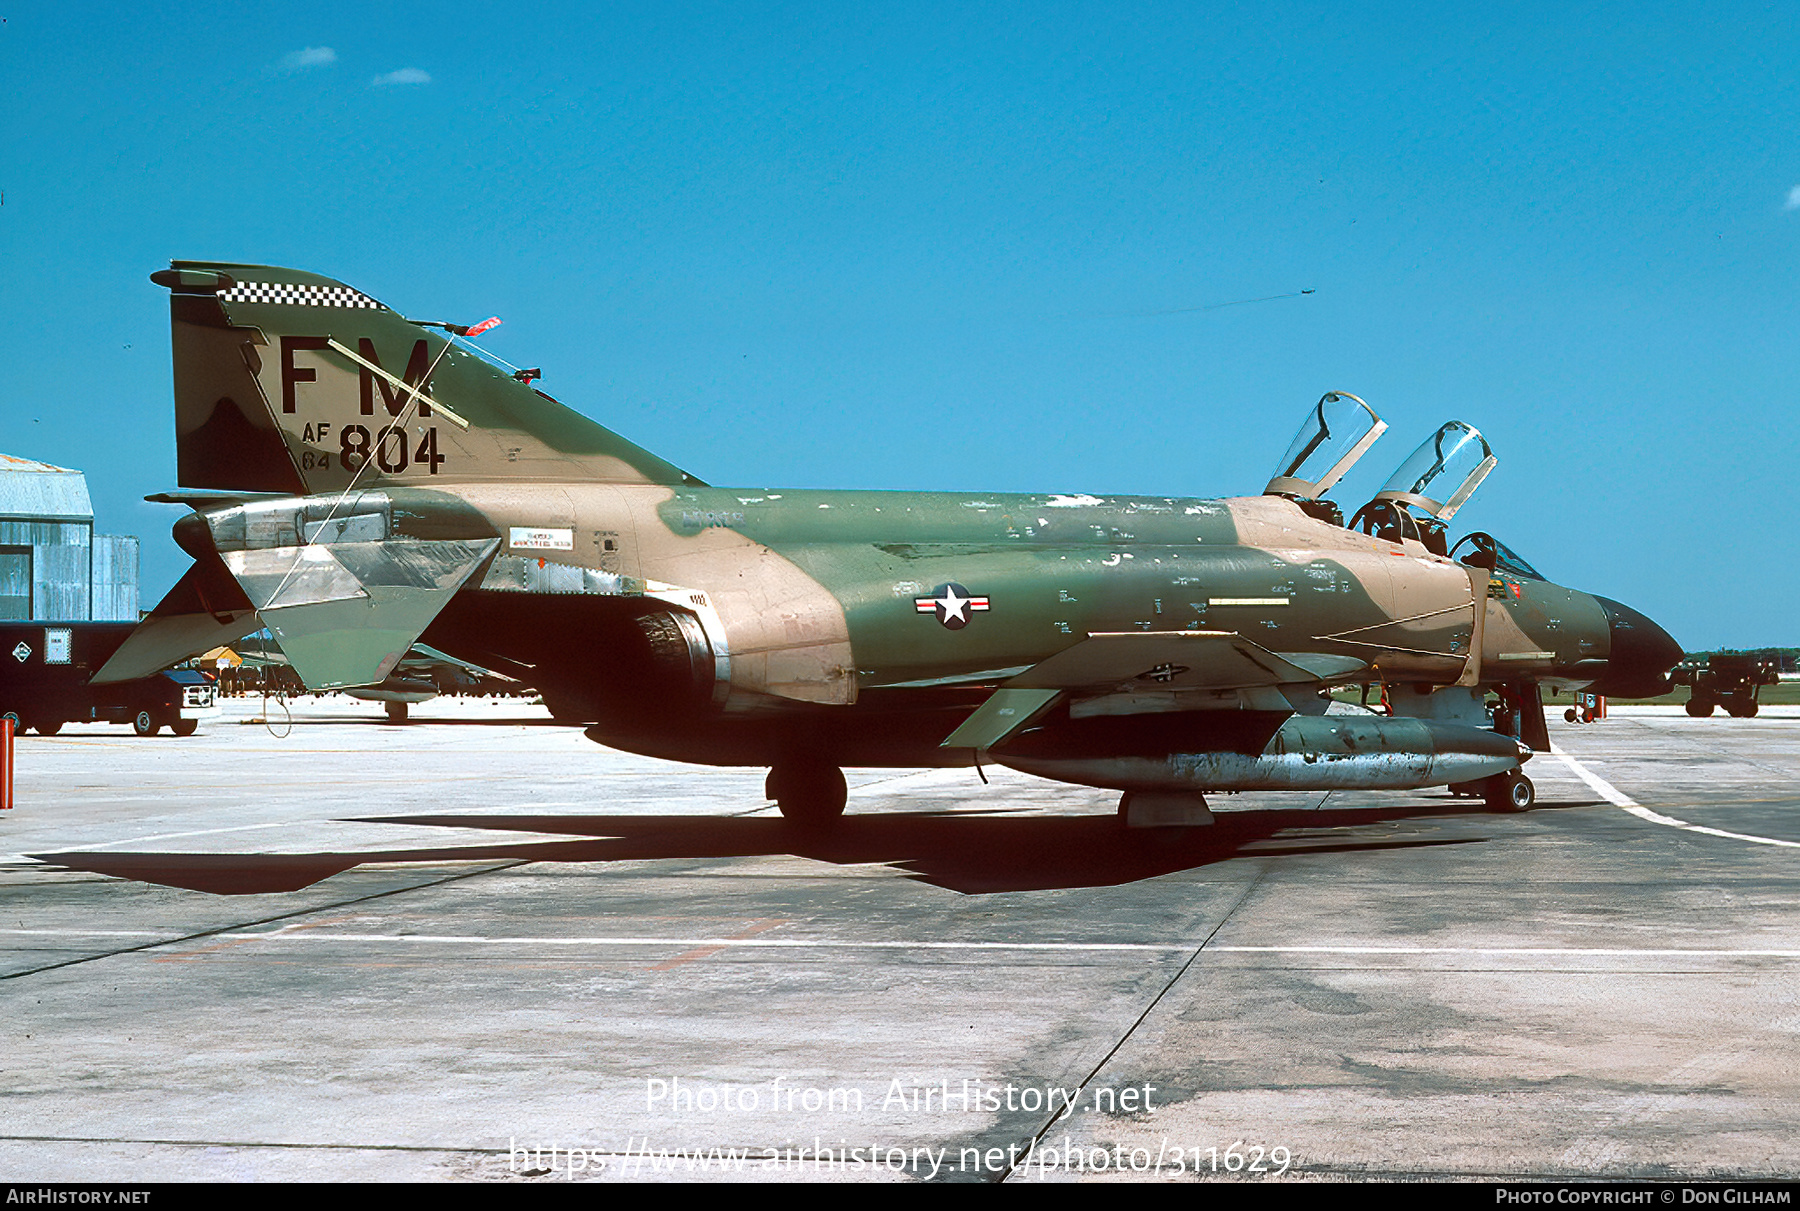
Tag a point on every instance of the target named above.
point(850, 600)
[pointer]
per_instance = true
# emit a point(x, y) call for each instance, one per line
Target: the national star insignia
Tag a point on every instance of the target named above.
point(952, 604)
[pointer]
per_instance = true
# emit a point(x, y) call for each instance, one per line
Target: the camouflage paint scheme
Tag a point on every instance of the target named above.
point(766, 626)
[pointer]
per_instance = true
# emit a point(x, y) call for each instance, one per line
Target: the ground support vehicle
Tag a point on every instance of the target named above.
point(45, 671)
point(1728, 679)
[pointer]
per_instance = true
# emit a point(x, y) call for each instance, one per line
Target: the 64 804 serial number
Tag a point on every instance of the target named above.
point(390, 446)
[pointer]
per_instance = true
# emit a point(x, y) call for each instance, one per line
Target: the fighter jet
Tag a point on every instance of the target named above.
point(359, 482)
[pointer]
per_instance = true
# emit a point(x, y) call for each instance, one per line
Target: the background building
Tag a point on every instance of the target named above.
point(52, 565)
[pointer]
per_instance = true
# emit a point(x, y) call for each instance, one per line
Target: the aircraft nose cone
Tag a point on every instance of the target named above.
point(1642, 654)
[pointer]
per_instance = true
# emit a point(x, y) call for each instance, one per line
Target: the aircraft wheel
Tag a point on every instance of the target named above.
point(184, 727)
point(1699, 708)
point(570, 711)
point(396, 712)
point(1748, 712)
point(48, 727)
point(144, 723)
point(809, 794)
point(1510, 792)
point(1569, 715)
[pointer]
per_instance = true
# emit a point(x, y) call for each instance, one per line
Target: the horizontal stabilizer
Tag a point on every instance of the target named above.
point(205, 498)
point(159, 643)
point(200, 613)
point(345, 613)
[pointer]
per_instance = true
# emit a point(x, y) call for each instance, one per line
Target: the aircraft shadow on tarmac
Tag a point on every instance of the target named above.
point(969, 852)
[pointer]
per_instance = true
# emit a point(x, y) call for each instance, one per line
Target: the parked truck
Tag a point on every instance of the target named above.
point(1728, 679)
point(45, 669)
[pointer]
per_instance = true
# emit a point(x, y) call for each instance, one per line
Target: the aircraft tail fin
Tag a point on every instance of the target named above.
point(290, 382)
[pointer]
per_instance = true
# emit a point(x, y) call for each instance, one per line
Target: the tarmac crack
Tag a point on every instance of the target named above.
point(1130, 1030)
point(300, 912)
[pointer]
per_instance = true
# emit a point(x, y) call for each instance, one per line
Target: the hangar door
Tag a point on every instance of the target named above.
point(15, 583)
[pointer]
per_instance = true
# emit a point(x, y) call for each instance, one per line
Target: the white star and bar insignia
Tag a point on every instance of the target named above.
point(952, 604)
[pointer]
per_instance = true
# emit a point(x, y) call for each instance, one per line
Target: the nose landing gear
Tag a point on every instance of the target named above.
point(1509, 792)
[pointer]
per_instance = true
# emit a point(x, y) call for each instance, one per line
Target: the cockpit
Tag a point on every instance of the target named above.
point(1419, 498)
point(1486, 551)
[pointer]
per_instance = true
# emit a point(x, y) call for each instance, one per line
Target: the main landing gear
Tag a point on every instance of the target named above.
point(809, 793)
point(1508, 792)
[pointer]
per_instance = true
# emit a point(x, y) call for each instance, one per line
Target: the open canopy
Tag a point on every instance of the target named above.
point(1441, 475)
point(1337, 431)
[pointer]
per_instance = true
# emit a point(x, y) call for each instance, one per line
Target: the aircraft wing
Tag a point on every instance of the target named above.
point(1164, 665)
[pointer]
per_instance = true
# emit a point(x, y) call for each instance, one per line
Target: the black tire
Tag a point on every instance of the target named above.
point(569, 712)
point(1699, 708)
point(1569, 715)
point(809, 794)
point(396, 712)
point(48, 727)
point(1510, 792)
point(145, 724)
point(184, 727)
point(1750, 709)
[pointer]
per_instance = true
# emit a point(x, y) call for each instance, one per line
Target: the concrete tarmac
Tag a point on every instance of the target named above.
point(479, 946)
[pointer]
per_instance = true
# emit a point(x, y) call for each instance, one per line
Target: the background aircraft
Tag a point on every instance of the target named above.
point(421, 675)
point(360, 481)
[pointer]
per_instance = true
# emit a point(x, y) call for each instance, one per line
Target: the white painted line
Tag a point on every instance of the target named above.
point(1617, 798)
point(1535, 951)
point(694, 943)
point(91, 933)
point(203, 832)
point(301, 934)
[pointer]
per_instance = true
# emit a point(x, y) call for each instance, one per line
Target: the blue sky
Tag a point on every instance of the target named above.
point(912, 246)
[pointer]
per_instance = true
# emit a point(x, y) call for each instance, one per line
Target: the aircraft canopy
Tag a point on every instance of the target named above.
point(1337, 431)
point(1439, 477)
